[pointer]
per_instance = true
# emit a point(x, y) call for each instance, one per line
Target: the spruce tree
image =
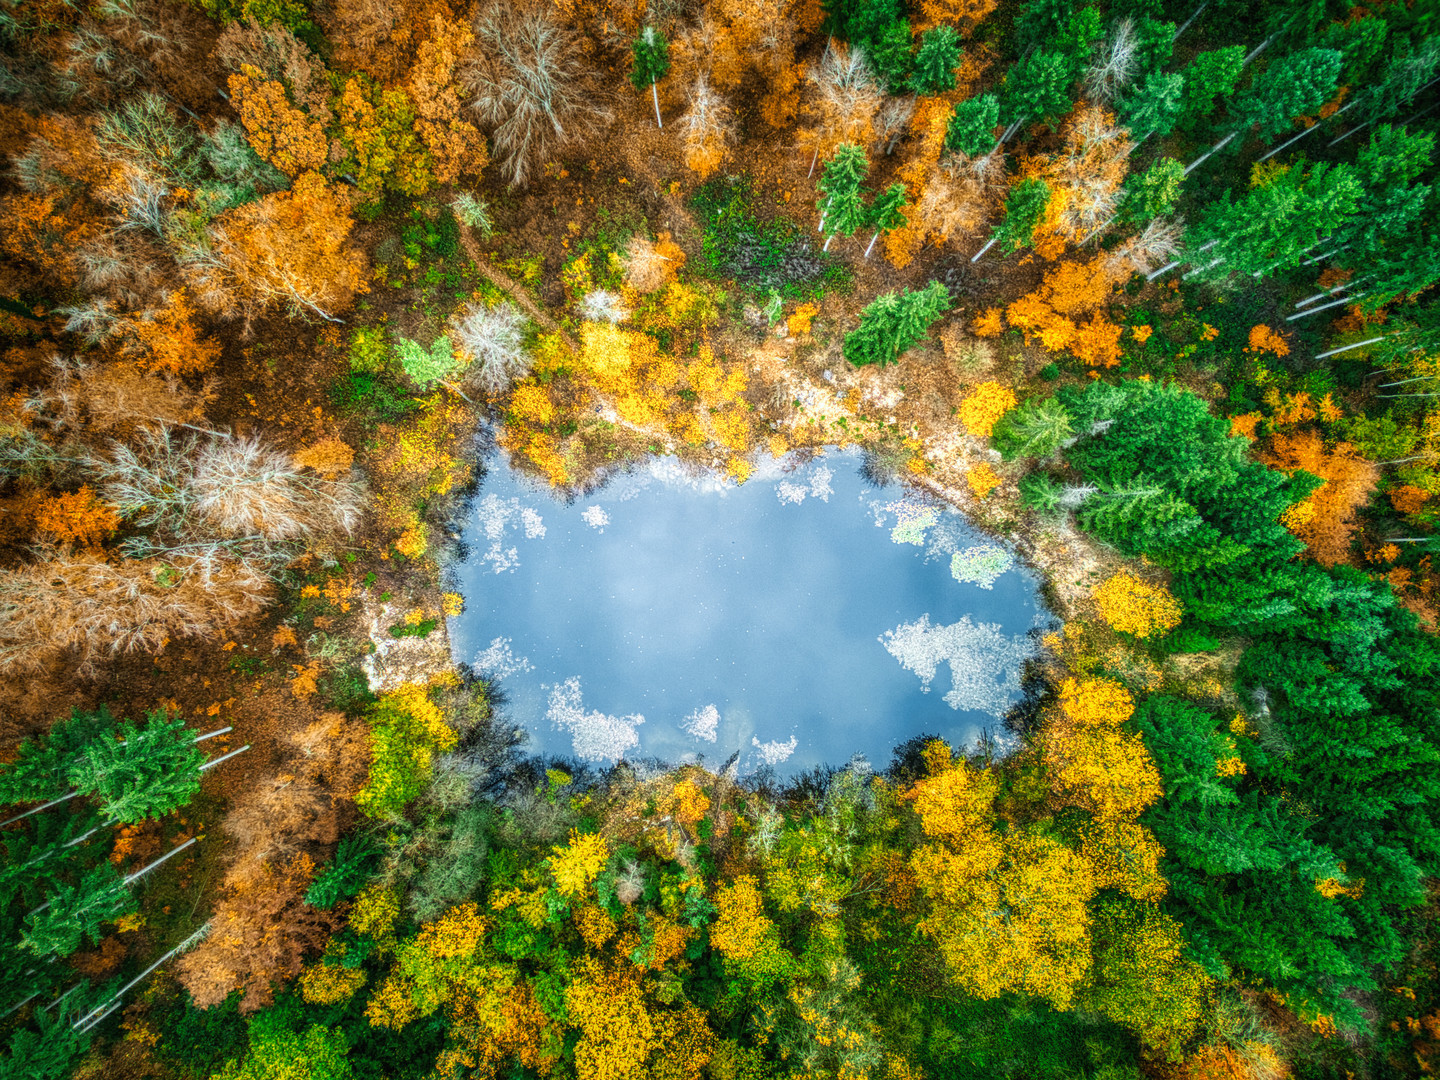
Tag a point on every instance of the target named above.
point(1024, 207)
point(886, 212)
point(1291, 86)
point(154, 770)
point(1036, 88)
point(1210, 75)
point(652, 61)
point(1153, 106)
point(39, 771)
point(1271, 227)
point(842, 202)
point(972, 125)
point(1036, 428)
point(892, 323)
point(936, 61)
point(76, 912)
point(1152, 192)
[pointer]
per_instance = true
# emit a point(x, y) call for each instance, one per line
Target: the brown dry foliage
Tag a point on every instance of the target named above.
point(333, 751)
point(259, 933)
point(118, 395)
point(78, 602)
point(455, 144)
point(329, 457)
point(275, 820)
point(379, 37)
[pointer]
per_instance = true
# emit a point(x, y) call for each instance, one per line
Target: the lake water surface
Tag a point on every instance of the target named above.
point(799, 619)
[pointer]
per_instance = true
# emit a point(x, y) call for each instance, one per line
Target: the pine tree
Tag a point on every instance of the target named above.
point(155, 769)
point(972, 125)
point(76, 912)
point(652, 61)
point(936, 61)
point(892, 323)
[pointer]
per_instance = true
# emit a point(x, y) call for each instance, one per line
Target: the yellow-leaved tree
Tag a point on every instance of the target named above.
point(1136, 607)
point(1008, 910)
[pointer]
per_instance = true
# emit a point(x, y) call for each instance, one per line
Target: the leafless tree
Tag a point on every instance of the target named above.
point(531, 89)
point(601, 305)
point(707, 128)
point(222, 495)
point(494, 337)
point(1155, 245)
point(81, 602)
point(1115, 64)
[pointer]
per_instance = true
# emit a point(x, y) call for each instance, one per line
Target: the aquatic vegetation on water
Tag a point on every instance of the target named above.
point(702, 723)
point(981, 565)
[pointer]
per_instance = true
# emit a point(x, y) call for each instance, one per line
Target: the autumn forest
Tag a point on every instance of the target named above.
point(1143, 288)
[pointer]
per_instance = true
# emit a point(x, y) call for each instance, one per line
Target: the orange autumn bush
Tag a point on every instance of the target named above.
point(78, 518)
point(1052, 313)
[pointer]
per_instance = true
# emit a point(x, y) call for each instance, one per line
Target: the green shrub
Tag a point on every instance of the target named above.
point(369, 349)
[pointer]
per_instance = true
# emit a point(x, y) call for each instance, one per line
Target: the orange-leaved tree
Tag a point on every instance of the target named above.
point(456, 146)
point(1052, 313)
point(1326, 520)
point(707, 129)
point(290, 247)
point(286, 136)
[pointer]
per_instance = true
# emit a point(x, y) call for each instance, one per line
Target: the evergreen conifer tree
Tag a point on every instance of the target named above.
point(76, 912)
point(886, 212)
point(972, 125)
point(652, 61)
point(1210, 75)
point(936, 61)
point(842, 203)
point(1153, 106)
point(1291, 86)
point(892, 323)
point(1036, 88)
point(1024, 207)
point(154, 770)
point(1152, 192)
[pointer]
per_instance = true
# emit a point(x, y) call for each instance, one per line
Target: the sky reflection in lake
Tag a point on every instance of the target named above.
point(799, 619)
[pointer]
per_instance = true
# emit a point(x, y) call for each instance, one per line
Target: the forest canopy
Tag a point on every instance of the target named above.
point(1146, 288)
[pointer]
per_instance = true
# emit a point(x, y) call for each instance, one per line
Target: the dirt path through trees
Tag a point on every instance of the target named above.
point(505, 282)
